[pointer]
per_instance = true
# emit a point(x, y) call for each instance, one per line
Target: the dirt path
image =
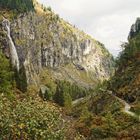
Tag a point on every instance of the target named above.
point(126, 108)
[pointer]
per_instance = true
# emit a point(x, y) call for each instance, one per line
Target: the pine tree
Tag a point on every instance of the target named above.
point(62, 96)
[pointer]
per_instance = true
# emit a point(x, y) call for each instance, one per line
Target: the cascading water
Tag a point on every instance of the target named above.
point(13, 51)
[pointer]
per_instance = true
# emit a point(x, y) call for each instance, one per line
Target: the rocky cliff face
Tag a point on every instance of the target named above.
point(43, 41)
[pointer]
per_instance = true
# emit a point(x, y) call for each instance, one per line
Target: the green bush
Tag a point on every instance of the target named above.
point(49, 8)
point(97, 133)
point(47, 95)
point(57, 17)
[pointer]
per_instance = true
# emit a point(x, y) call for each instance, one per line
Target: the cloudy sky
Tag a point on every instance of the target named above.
point(108, 21)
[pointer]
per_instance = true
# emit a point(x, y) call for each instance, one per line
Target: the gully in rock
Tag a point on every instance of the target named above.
point(13, 51)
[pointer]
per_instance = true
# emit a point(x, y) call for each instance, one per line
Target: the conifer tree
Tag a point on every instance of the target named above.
point(5, 75)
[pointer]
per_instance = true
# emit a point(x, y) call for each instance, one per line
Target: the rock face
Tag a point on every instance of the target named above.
point(46, 41)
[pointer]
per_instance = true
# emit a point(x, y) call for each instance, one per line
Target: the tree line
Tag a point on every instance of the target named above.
point(17, 5)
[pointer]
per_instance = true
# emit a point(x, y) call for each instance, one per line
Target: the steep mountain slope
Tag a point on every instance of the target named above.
point(45, 41)
point(126, 82)
point(113, 111)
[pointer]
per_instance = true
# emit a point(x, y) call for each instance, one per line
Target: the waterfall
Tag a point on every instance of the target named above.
point(13, 51)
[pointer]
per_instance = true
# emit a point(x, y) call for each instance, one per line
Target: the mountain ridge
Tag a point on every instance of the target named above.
point(56, 43)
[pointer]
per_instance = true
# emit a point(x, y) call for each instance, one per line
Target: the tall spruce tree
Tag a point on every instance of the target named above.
point(5, 75)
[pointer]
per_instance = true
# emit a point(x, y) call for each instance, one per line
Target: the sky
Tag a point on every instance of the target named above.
point(108, 21)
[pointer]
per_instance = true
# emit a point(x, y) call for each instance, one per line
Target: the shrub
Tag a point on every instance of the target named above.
point(49, 8)
point(97, 133)
point(45, 9)
point(57, 17)
point(47, 94)
point(30, 119)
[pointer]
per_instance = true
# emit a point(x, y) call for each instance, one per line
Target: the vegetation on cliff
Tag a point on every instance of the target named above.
point(6, 75)
point(103, 116)
point(17, 5)
point(47, 41)
point(126, 82)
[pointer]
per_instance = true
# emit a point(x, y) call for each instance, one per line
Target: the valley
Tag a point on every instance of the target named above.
point(59, 83)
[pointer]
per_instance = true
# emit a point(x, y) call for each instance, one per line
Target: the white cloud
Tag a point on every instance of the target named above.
point(108, 21)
